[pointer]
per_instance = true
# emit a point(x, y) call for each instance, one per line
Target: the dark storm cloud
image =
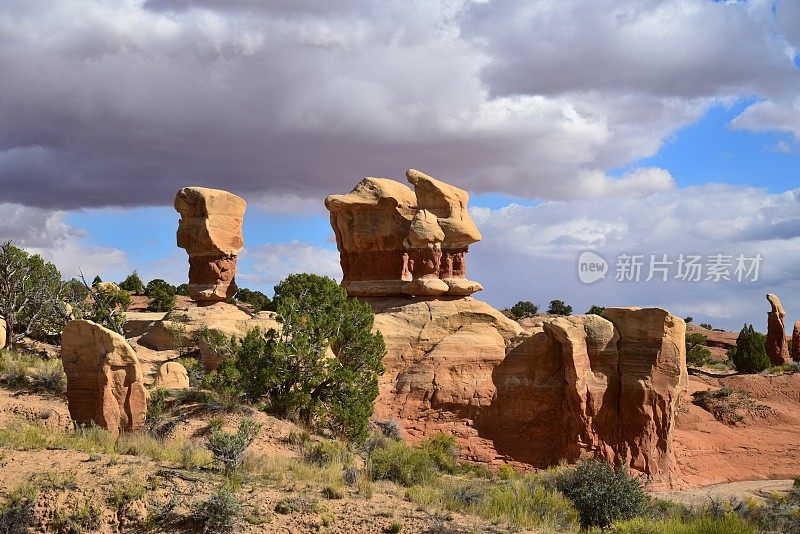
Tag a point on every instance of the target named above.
point(122, 103)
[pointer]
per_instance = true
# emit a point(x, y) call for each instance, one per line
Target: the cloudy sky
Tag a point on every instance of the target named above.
point(624, 127)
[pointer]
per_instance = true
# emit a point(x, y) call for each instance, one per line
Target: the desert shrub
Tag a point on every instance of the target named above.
point(696, 352)
point(688, 320)
point(21, 371)
point(125, 491)
point(229, 448)
point(750, 353)
point(443, 451)
point(595, 310)
point(391, 428)
point(157, 403)
point(524, 308)
point(220, 513)
point(182, 289)
point(706, 326)
point(80, 517)
point(322, 367)
point(31, 295)
point(559, 307)
point(403, 464)
point(602, 494)
point(301, 504)
point(727, 524)
point(161, 295)
point(777, 513)
point(324, 453)
point(727, 404)
point(521, 503)
point(258, 300)
point(17, 512)
point(132, 283)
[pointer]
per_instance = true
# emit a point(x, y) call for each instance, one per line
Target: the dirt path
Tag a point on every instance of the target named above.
point(745, 489)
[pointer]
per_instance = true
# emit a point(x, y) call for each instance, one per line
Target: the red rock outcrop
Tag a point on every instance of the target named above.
point(777, 351)
point(210, 230)
point(569, 387)
point(796, 342)
point(105, 384)
point(394, 241)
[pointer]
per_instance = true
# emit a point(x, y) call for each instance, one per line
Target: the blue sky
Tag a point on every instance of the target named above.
point(614, 126)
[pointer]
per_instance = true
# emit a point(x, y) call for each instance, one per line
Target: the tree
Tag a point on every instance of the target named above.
point(31, 293)
point(106, 305)
point(322, 367)
point(688, 320)
point(132, 283)
point(696, 351)
point(258, 300)
point(559, 307)
point(750, 353)
point(596, 310)
point(183, 290)
point(161, 295)
point(96, 280)
point(524, 308)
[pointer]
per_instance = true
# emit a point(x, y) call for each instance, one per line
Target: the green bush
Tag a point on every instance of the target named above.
point(602, 494)
point(20, 371)
point(80, 517)
point(559, 307)
point(132, 283)
point(161, 295)
point(400, 463)
point(750, 353)
point(17, 512)
point(228, 449)
point(258, 300)
point(443, 451)
point(596, 310)
point(221, 513)
point(322, 367)
point(183, 290)
point(696, 352)
point(524, 308)
point(728, 524)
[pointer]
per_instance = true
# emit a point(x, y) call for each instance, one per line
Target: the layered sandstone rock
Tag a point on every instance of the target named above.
point(172, 375)
point(210, 230)
point(105, 384)
point(777, 350)
point(180, 327)
point(568, 387)
point(796, 342)
point(394, 241)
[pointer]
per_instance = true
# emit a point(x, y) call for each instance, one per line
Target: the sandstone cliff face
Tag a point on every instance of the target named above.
point(105, 384)
point(568, 387)
point(210, 230)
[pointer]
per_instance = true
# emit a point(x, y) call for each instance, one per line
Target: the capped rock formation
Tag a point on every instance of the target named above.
point(566, 388)
point(394, 241)
point(105, 384)
point(777, 351)
point(210, 229)
point(172, 375)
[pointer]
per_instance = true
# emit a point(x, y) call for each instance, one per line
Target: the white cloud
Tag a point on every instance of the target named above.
point(530, 253)
point(263, 266)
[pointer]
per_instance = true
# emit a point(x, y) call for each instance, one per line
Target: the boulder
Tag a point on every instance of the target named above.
point(566, 388)
point(394, 241)
point(105, 384)
point(172, 375)
point(180, 328)
point(210, 230)
point(796, 342)
point(777, 349)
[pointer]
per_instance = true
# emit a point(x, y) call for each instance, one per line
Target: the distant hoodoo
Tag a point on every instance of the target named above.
point(394, 241)
point(777, 349)
point(210, 230)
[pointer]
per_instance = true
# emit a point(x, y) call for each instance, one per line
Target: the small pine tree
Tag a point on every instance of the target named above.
point(183, 290)
point(750, 353)
point(596, 310)
point(96, 280)
point(524, 308)
point(132, 283)
point(559, 307)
